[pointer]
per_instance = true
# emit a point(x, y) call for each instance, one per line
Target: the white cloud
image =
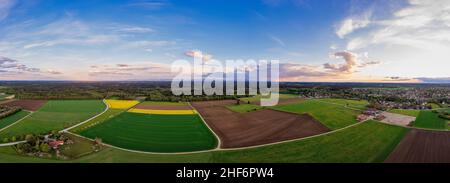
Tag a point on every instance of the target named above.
point(423, 24)
point(351, 24)
point(198, 54)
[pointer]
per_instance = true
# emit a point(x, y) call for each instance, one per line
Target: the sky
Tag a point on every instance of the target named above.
point(314, 40)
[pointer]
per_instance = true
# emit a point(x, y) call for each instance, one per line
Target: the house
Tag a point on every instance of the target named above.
point(55, 144)
point(362, 117)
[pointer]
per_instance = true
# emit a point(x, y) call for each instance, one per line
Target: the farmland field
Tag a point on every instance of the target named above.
point(166, 112)
point(99, 119)
point(256, 127)
point(422, 146)
point(55, 115)
point(154, 133)
point(13, 118)
point(30, 105)
point(366, 142)
point(357, 104)
point(429, 119)
point(121, 104)
point(408, 112)
point(335, 117)
point(243, 108)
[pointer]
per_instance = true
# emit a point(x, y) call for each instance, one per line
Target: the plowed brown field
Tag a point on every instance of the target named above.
point(30, 105)
point(255, 128)
point(422, 146)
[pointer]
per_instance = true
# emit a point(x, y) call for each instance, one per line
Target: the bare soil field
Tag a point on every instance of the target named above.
point(163, 107)
point(422, 146)
point(30, 105)
point(397, 119)
point(255, 128)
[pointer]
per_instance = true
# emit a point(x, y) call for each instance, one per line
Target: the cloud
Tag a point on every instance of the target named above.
point(351, 24)
point(5, 7)
point(132, 70)
point(198, 54)
point(422, 24)
point(434, 80)
point(136, 29)
point(351, 61)
point(7, 64)
point(150, 4)
point(398, 79)
point(370, 63)
point(86, 41)
point(145, 44)
point(292, 70)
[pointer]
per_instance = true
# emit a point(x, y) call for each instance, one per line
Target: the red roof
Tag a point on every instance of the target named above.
point(56, 143)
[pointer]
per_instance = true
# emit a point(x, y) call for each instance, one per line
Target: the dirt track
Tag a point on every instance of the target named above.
point(422, 146)
point(255, 128)
point(30, 105)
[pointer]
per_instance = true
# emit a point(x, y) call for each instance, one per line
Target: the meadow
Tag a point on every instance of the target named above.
point(154, 133)
point(357, 104)
point(13, 118)
point(429, 119)
point(408, 112)
point(331, 115)
point(55, 115)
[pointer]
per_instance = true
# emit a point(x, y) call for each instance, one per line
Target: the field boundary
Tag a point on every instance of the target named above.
point(21, 119)
point(79, 124)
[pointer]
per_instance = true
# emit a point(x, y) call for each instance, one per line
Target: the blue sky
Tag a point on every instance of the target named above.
point(320, 40)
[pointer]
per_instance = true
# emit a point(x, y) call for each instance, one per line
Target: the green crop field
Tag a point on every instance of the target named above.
point(357, 104)
point(366, 142)
point(13, 118)
point(109, 114)
point(331, 115)
point(55, 115)
point(408, 112)
point(243, 108)
point(429, 119)
point(155, 133)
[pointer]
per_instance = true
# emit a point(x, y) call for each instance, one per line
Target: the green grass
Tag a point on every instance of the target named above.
point(358, 104)
point(155, 133)
point(408, 112)
point(434, 105)
point(13, 118)
point(109, 114)
point(256, 98)
point(55, 115)
point(364, 143)
point(79, 148)
point(429, 119)
point(244, 108)
point(331, 115)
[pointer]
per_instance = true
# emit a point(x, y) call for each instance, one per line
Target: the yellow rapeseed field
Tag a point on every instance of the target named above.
point(168, 112)
point(121, 104)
